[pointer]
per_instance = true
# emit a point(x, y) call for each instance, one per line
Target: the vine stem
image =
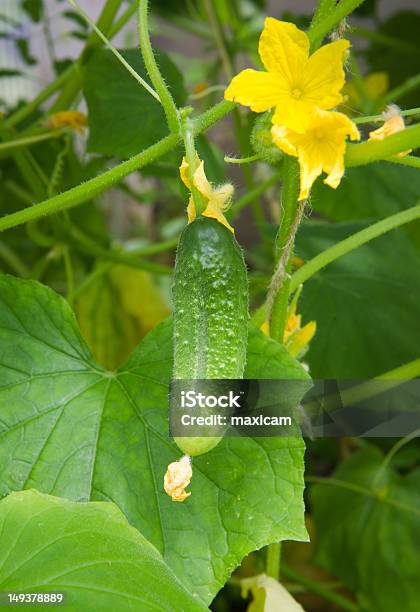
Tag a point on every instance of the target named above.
point(330, 20)
point(23, 142)
point(281, 273)
point(379, 118)
point(352, 242)
point(91, 188)
point(373, 150)
point(154, 73)
point(279, 289)
point(272, 562)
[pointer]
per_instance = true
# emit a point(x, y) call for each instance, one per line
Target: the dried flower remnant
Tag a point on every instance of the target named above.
point(393, 123)
point(177, 478)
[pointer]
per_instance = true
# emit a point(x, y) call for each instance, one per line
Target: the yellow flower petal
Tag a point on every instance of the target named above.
point(301, 338)
point(177, 478)
point(201, 182)
point(324, 75)
point(219, 202)
point(283, 48)
point(258, 90)
point(294, 113)
point(191, 212)
point(320, 147)
point(217, 199)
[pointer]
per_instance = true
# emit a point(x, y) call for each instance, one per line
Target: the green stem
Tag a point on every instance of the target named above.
point(319, 589)
point(375, 150)
point(351, 243)
point(158, 82)
point(91, 188)
point(24, 142)
point(408, 160)
point(242, 160)
point(380, 118)
point(272, 562)
point(278, 296)
point(329, 21)
point(211, 116)
point(86, 191)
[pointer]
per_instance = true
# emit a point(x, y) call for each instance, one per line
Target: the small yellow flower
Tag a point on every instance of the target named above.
point(218, 199)
point(297, 338)
point(393, 123)
point(73, 119)
point(295, 83)
point(320, 148)
point(177, 478)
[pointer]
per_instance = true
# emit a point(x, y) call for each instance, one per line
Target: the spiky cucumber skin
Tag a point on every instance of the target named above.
point(210, 295)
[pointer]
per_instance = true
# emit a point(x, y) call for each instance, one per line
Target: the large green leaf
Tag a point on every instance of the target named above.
point(366, 304)
point(377, 190)
point(72, 429)
point(87, 551)
point(370, 537)
point(123, 117)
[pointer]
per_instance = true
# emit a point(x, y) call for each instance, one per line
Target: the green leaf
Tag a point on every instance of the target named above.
point(377, 190)
point(365, 304)
point(123, 117)
point(370, 539)
point(87, 551)
point(72, 429)
point(117, 310)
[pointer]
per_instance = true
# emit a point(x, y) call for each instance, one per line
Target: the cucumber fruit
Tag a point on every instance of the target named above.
point(210, 295)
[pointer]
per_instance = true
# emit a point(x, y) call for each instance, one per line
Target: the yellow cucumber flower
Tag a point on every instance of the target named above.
point(217, 198)
point(320, 148)
point(73, 119)
point(295, 82)
point(393, 123)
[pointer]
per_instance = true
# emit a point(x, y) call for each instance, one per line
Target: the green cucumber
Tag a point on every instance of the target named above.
point(210, 294)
